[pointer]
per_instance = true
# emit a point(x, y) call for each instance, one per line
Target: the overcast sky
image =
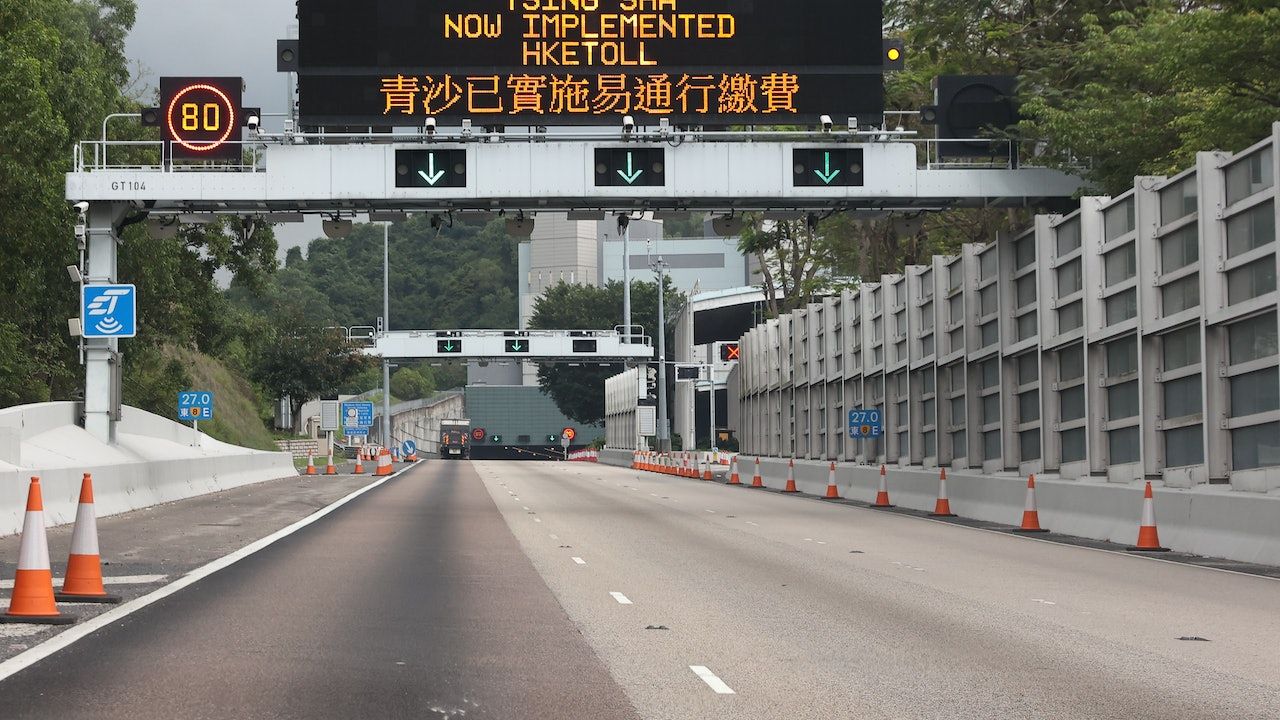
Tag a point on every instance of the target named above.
point(235, 38)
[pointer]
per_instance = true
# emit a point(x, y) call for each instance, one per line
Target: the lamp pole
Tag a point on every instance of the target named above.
point(386, 326)
point(624, 229)
point(664, 433)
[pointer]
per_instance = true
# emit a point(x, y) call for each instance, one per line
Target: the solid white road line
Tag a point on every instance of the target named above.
point(23, 660)
point(710, 678)
point(107, 580)
point(622, 599)
point(580, 561)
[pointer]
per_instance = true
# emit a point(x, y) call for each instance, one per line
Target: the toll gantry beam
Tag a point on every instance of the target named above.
point(825, 172)
point(541, 345)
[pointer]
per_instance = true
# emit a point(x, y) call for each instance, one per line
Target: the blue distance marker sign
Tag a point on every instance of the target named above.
point(109, 311)
point(195, 405)
point(865, 424)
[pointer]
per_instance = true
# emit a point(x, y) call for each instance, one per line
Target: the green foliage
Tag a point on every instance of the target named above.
point(1161, 85)
point(579, 391)
point(61, 64)
point(410, 384)
point(455, 277)
point(304, 362)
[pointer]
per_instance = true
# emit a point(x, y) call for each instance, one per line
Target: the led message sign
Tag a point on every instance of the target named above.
point(200, 118)
point(398, 62)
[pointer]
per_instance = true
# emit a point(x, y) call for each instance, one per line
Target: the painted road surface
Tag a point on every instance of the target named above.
point(565, 590)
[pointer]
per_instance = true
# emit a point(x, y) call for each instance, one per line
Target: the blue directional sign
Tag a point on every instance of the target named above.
point(195, 405)
point(357, 416)
point(109, 311)
point(408, 447)
point(865, 424)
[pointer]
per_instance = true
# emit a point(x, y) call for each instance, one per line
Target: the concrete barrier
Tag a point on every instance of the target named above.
point(153, 461)
point(1206, 520)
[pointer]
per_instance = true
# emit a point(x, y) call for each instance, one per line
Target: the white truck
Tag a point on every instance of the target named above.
point(455, 439)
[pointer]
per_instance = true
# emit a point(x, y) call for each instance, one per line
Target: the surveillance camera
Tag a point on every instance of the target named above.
point(431, 126)
point(628, 124)
point(81, 207)
point(253, 122)
point(826, 123)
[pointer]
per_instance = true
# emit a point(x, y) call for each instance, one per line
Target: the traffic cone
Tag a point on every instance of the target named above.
point(330, 468)
point(384, 464)
point(733, 476)
point(84, 567)
point(882, 495)
point(359, 463)
point(706, 470)
point(943, 508)
point(1030, 516)
point(311, 463)
point(791, 477)
point(32, 600)
point(833, 493)
point(756, 480)
point(1148, 538)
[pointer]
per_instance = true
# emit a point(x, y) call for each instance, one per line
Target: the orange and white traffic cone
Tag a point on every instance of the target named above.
point(83, 582)
point(706, 470)
point(943, 508)
point(1030, 515)
point(330, 468)
point(791, 477)
point(384, 464)
point(311, 463)
point(733, 476)
point(833, 492)
point(32, 600)
point(1148, 538)
point(359, 463)
point(756, 480)
point(882, 495)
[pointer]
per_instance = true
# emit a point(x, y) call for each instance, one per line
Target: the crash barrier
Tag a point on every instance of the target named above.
point(584, 456)
point(1206, 520)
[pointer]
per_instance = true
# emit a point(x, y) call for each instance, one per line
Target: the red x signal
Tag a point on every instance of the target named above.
point(730, 352)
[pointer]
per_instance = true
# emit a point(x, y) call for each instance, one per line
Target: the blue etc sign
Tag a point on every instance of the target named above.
point(109, 311)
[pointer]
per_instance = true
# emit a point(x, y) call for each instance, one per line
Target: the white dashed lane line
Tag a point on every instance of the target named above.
point(580, 561)
point(622, 599)
point(712, 681)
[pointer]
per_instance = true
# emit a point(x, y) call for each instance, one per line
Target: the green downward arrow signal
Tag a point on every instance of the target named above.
point(516, 346)
point(631, 175)
point(448, 347)
point(828, 175)
point(432, 176)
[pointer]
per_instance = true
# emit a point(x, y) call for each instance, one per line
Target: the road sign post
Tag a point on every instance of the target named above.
point(195, 405)
point(865, 424)
point(357, 418)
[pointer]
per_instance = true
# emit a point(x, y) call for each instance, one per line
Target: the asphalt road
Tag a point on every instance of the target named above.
point(576, 591)
point(413, 601)
point(813, 610)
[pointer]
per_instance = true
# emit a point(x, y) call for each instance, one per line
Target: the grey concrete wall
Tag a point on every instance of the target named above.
point(1203, 521)
point(154, 461)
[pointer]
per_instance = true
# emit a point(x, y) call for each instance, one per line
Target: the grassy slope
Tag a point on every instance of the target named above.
point(236, 409)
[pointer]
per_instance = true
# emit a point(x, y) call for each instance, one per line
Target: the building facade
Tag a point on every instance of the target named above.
point(1133, 338)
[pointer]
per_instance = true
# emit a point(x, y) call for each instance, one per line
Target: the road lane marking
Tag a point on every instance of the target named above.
point(711, 511)
point(712, 681)
point(622, 599)
point(1043, 602)
point(555, 537)
point(526, 507)
point(580, 561)
point(107, 580)
point(751, 523)
point(537, 519)
point(27, 658)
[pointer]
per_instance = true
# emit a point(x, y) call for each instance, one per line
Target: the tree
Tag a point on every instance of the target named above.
point(1160, 85)
point(579, 391)
point(303, 362)
point(410, 384)
point(61, 64)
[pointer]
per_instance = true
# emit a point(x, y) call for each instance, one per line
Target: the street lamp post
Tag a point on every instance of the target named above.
point(386, 326)
point(624, 228)
point(664, 433)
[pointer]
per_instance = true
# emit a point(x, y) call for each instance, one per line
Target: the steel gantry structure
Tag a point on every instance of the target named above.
point(282, 177)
